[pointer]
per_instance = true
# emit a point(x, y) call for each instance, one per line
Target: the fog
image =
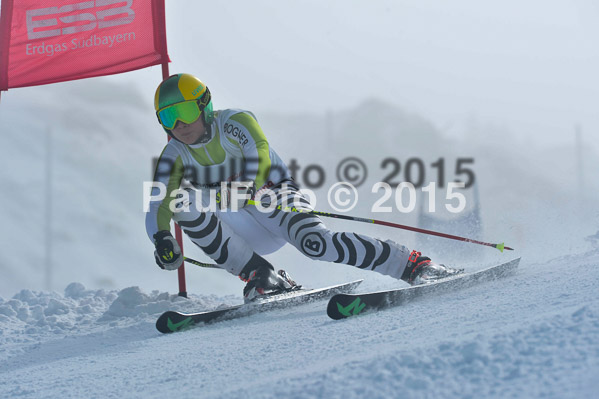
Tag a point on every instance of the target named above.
point(505, 84)
point(527, 66)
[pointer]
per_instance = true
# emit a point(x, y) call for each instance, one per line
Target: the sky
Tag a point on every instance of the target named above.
point(528, 68)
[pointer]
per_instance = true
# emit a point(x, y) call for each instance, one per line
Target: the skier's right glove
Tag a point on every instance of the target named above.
point(168, 253)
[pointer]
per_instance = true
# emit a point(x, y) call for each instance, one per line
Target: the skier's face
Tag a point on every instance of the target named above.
point(189, 133)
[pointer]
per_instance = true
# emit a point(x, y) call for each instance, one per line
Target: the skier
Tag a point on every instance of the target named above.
point(226, 158)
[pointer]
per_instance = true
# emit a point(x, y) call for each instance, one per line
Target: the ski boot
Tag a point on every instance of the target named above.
point(421, 270)
point(265, 282)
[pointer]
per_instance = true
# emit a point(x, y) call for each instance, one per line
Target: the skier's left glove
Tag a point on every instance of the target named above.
point(168, 253)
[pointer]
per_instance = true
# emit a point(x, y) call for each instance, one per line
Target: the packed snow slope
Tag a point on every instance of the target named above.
point(535, 334)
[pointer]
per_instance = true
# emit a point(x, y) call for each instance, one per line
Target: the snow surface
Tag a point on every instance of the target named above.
point(532, 335)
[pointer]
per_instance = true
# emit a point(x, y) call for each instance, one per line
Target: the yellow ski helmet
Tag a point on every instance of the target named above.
point(182, 97)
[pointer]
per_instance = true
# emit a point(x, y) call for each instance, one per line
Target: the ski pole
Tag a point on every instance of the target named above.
point(201, 264)
point(500, 246)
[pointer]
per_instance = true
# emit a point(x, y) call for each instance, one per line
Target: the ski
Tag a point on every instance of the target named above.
point(342, 306)
point(172, 321)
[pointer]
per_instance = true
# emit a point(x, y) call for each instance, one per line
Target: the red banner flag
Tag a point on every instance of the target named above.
point(49, 41)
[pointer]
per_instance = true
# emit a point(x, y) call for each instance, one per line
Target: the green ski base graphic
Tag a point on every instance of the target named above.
point(355, 305)
point(178, 326)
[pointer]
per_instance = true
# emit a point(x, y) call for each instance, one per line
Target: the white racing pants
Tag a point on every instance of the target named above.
point(232, 238)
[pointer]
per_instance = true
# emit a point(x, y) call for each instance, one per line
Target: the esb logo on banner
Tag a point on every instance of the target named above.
point(75, 18)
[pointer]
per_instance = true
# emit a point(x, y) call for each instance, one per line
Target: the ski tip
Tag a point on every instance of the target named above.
point(342, 306)
point(170, 322)
point(332, 308)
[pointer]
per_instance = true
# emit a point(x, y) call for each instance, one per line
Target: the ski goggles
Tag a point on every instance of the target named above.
point(187, 112)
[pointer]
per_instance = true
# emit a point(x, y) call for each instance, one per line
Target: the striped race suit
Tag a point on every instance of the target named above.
point(239, 151)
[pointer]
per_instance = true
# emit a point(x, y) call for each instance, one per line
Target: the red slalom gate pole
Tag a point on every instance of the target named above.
point(178, 232)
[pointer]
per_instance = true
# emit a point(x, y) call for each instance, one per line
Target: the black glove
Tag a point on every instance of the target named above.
point(235, 195)
point(168, 253)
